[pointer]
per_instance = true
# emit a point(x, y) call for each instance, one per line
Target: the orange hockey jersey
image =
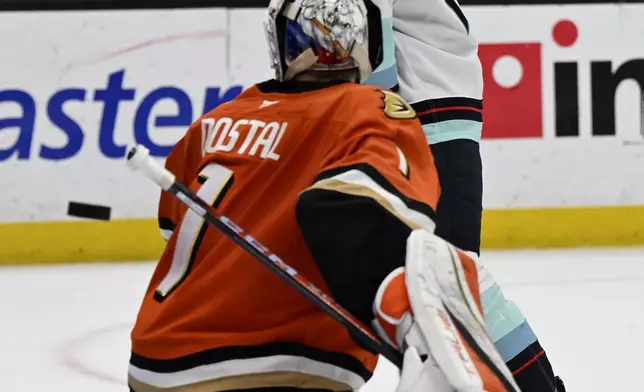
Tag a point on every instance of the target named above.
point(330, 177)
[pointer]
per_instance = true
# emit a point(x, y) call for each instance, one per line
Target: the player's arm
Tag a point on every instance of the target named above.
point(358, 213)
point(440, 74)
point(368, 222)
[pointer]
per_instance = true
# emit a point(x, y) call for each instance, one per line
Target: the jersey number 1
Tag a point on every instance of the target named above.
point(215, 182)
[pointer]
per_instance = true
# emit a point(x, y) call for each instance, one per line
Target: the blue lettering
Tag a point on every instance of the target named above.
point(66, 124)
point(112, 96)
point(213, 98)
point(182, 118)
point(25, 124)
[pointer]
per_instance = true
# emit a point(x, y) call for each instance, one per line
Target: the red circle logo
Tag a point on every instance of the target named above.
point(565, 33)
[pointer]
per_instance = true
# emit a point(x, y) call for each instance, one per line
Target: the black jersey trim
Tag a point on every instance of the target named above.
point(447, 102)
point(438, 117)
point(375, 175)
point(222, 354)
point(432, 111)
point(166, 224)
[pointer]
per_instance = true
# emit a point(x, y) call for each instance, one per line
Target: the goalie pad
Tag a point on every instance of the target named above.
point(433, 305)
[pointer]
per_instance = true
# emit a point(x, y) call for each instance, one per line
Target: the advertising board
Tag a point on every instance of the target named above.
point(563, 133)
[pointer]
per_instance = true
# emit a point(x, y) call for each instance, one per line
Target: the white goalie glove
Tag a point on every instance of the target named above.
point(432, 308)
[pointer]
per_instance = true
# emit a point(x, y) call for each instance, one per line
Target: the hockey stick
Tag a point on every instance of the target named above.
point(138, 158)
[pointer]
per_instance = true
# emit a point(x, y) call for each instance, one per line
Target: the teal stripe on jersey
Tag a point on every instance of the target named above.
point(386, 78)
point(386, 75)
point(515, 342)
point(446, 131)
point(501, 315)
point(508, 327)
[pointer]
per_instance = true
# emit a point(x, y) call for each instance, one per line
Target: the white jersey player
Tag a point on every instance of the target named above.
point(430, 58)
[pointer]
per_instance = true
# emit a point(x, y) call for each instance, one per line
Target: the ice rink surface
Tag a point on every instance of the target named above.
point(65, 328)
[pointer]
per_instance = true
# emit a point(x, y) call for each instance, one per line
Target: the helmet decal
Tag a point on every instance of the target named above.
point(322, 35)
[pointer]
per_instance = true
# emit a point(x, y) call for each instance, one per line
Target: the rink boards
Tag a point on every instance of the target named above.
point(563, 146)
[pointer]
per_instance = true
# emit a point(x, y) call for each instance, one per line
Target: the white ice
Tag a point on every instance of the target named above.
point(65, 328)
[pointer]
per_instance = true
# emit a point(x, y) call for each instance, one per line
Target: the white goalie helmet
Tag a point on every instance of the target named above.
point(324, 35)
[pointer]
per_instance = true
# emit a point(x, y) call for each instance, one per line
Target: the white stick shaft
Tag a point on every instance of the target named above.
point(138, 158)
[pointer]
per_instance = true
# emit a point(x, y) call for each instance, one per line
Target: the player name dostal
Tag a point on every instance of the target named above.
point(243, 136)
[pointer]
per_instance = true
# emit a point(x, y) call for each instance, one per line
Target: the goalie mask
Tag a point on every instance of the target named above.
point(324, 35)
